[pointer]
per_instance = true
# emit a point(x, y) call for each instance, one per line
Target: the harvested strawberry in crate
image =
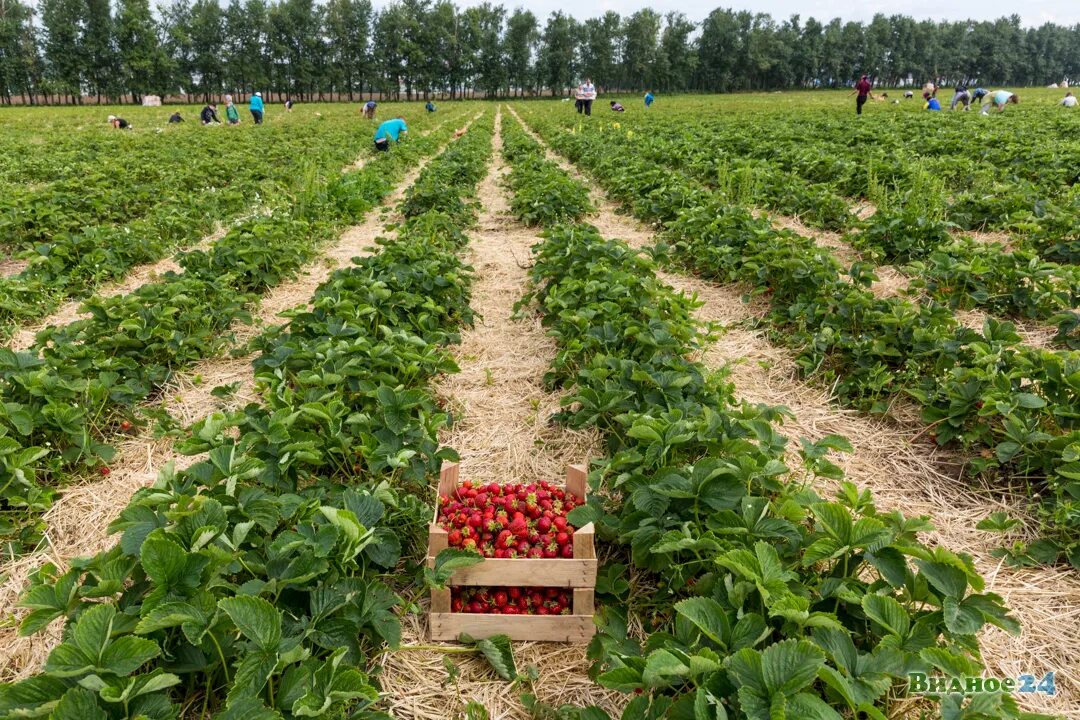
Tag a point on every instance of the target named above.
point(509, 521)
point(537, 566)
point(511, 600)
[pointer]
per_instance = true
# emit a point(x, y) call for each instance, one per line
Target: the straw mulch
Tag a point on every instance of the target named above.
point(1033, 334)
point(11, 266)
point(503, 434)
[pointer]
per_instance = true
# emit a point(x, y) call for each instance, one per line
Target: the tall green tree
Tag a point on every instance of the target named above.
point(522, 35)
point(678, 61)
point(62, 21)
point(208, 47)
point(144, 65)
point(641, 50)
point(348, 35)
point(18, 54)
point(97, 49)
point(558, 54)
point(601, 51)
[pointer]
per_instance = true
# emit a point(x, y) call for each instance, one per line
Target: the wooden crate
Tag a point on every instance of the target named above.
point(578, 573)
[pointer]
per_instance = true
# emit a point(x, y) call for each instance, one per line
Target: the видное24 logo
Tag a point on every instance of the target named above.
point(923, 684)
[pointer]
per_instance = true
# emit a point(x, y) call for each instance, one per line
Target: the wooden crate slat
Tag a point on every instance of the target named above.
point(561, 628)
point(529, 572)
point(440, 600)
point(584, 601)
point(576, 480)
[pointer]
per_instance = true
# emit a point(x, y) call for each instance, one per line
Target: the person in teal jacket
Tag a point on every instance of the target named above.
point(256, 108)
point(390, 130)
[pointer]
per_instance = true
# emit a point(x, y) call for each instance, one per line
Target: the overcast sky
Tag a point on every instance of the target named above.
point(1037, 12)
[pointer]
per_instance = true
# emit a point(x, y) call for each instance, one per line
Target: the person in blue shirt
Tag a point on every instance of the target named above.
point(649, 99)
point(933, 104)
point(390, 130)
point(256, 108)
point(369, 109)
point(430, 107)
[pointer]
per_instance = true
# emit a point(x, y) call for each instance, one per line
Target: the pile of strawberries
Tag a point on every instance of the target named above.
point(511, 600)
point(509, 521)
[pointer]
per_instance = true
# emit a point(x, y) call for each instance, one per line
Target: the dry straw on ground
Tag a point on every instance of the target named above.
point(503, 434)
point(906, 472)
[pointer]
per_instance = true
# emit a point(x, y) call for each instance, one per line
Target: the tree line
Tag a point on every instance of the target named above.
point(66, 50)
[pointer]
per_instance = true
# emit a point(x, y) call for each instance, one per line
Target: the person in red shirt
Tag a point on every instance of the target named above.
point(863, 89)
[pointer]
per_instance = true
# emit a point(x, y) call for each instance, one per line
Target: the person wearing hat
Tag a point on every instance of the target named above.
point(369, 109)
point(119, 123)
point(863, 89)
point(256, 108)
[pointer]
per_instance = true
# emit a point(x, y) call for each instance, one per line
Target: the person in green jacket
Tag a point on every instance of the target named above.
point(232, 115)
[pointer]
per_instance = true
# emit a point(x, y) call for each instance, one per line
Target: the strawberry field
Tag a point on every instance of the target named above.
point(824, 372)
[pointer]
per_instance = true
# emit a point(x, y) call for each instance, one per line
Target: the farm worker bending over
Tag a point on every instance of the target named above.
point(962, 96)
point(369, 110)
point(119, 123)
point(586, 93)
point(231, 113)
point(288, 104)
point(979, 94)
point(617, 107)
point(390, 130)
point(209, 115)
point(1069, 100)
point(929, 90)
point(933, 104)
point(430, 107)
point(863, 89)
point(256, 108)
point(649, 99)
point(999, 100)
point(175, 118)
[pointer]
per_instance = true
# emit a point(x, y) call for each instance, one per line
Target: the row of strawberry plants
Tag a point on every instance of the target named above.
point(257, 584)
point(541, 194)
point(965, 273)
point(73, 262)
point(960, 272)
point(768, 598)
point(983, 391)
point(78, 386)
point(989, 174)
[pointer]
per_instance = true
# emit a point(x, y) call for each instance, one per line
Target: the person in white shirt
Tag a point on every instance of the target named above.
point(586, 93)
point(1069, 100)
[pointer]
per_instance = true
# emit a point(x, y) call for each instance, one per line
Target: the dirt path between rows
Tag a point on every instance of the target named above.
point(904, 473)
point(78, 521)
point(503, 434)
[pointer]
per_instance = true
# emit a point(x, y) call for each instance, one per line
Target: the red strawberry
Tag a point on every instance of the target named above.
point(568, 551)
point(454, 538)
point(562, 538)
point(104, 470)
point(559, 523)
